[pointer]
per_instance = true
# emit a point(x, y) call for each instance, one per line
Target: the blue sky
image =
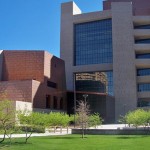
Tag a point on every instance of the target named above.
point(35, 24)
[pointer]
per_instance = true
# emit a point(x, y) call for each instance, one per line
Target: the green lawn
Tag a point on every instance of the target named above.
point(75, 142)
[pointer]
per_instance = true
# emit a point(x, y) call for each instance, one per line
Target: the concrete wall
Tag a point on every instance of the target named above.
point(112, 132)
point(23, 106)
point(124, 70)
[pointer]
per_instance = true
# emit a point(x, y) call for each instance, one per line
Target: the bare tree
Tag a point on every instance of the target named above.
point(83, 112)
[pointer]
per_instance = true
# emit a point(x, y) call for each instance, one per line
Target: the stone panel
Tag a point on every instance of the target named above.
point(123, 59)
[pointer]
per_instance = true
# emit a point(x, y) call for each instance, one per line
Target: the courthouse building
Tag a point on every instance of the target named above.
point(107, 56)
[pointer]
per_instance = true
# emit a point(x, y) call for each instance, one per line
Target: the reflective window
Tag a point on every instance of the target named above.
point(142, 27)
point(144, 87)
point(143, 56)
point(95, 82)
point(93, 42)
point(142, 41)
point(143, 72)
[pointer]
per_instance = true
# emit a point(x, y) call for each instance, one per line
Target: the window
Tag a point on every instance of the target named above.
point(143, 56)
point(142, 41)
point(142, 27)
point(93, 42)
point(51, 84)
point(143, 103)
point(144, 87)
point(143, 72)
point(48, 101)
point(55, 102)
point(61, 103)
point(101, 82)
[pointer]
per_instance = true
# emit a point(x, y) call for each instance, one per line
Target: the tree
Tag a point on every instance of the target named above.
point(95, 120)
point(83, 113)
point(57, 120)
point(30, 121)
point(7, 118)
point(137, 118)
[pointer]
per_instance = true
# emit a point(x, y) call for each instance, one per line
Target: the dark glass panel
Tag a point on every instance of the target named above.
point(143, 72)
point(93, 42)
point(51, 84)
point(142, 41)
point(142, 27)
point(144, 87)
point(143, 56)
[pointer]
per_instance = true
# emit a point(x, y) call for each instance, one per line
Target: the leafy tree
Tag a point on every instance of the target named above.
point(95, 120)
point(7, 118)
point(31, 120)
point(83, 113)
point(137, 118)
point(57, 120)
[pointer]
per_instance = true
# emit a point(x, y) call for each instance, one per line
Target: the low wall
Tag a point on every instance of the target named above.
point(113, 131)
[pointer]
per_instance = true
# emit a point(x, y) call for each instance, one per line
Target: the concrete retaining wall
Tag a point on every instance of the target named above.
point(113, 131)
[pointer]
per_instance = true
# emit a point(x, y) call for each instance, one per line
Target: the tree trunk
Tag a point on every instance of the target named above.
point(3, 137)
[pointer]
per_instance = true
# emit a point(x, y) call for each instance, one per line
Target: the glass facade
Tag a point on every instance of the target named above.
point(144, 87)
point(93, 42)
point(143, 56)
point(95, 82)
point(143, 72)
point(142, 27)
point(142, 41)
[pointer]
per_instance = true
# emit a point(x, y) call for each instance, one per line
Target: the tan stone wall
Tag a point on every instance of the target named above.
point(124, 70)
point(23, 65)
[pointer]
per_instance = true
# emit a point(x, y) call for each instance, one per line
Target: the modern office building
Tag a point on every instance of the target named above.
point(35, 77)
point(107, 55)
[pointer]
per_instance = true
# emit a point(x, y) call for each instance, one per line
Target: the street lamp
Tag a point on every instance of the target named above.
point(85, 96)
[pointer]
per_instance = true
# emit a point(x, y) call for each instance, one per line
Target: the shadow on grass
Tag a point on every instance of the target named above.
point(133, 137)
point(66, 137)
point(7, 144)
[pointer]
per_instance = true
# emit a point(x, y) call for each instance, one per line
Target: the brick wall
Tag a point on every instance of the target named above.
point(16, 90)
point(23, 65)
point(140, 7)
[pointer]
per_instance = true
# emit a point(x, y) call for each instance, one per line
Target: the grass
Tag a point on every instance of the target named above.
point(75, 142)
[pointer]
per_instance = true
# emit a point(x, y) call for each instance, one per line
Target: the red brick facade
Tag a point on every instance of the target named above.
point(140, 7)
point(33, 76)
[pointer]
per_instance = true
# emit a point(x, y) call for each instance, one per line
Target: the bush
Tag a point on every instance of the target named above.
point(34, 129)
point(95, 120)
point(138, 117)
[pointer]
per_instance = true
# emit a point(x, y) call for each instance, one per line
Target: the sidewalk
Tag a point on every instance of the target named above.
point(39, 134)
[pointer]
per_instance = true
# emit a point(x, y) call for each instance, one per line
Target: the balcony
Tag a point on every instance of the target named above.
point(142, 48)
point(142, 33)
point(142, 63)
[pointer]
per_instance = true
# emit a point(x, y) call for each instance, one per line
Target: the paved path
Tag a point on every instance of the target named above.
point(38, 134)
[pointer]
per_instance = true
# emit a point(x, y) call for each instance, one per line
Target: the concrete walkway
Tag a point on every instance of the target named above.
point(64, 131)
point(39, 134)
point(111, 126)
